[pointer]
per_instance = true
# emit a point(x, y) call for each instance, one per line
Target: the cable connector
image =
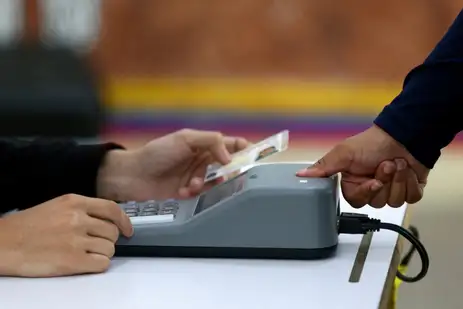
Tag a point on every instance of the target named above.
point(353, 223)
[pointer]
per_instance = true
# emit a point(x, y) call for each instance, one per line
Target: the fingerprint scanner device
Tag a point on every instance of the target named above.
point(266, 212)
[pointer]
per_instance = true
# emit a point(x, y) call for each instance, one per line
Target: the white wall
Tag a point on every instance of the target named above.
point(72, 23)
point(11, 21)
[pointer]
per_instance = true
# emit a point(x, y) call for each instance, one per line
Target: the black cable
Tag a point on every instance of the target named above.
point(352, 223)
point(408, 256)
point(419, 248)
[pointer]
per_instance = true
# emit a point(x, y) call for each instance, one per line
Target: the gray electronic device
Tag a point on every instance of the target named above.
point(266, 212)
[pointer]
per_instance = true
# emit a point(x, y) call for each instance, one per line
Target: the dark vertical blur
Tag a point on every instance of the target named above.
point(47, 90)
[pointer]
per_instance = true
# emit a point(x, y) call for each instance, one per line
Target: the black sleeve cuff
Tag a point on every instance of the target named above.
point(45, 169)
point(403, 132)
point(84, 164)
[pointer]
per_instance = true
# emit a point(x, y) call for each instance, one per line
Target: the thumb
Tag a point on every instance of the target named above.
point(336, 161)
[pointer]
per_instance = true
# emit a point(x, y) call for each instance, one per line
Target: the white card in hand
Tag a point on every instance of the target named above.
point(244, 159)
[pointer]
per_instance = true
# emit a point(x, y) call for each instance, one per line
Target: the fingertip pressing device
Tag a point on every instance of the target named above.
point(265, 212)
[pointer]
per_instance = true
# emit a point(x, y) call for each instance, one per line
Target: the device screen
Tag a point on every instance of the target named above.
point(220, 192)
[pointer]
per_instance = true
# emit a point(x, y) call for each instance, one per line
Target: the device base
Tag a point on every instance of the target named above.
point(218, 252)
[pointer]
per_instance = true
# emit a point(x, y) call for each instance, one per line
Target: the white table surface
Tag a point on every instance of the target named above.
point(162, 283)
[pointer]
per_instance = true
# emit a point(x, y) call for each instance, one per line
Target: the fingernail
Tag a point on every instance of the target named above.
point(376, 186)
point(196, 181)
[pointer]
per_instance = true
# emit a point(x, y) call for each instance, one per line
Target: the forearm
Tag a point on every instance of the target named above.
point(33, 172)
point(425, 116)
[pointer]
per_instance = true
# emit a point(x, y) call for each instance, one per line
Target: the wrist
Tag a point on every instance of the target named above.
point(9, 261)
point(115, 174)
point(383, 137)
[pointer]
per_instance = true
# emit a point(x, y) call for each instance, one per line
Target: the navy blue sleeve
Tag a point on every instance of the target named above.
point(426, 115)
point(36, 171)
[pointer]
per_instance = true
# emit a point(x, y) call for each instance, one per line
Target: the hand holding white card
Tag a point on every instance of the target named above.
point(246, 158)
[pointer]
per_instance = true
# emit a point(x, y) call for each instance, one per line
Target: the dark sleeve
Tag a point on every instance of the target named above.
point(37, 171)
point(426, 115)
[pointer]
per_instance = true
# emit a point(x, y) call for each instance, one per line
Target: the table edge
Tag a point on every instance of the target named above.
point(388, 289)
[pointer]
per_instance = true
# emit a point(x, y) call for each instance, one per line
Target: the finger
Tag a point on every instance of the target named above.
point(235, 144)
point(93, 263)
point(194, 190)
point(398, 193)
point(108, 210)
point(415, 190)
point(361, 194)
point(385, 174)
point(337, 160)
point(101, 246)
point(195, 187)
point(102, 229)
point(207, 141)
point(385, 171)
point(184, 193)
point(214, 182)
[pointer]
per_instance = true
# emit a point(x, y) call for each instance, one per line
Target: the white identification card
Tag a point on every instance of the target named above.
point(244, 159)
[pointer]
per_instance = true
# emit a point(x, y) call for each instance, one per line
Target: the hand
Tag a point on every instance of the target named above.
point(68, 235)
point(173, 166)
point(375, 170)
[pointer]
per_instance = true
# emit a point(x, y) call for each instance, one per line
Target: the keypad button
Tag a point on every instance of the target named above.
point(130, 207)
point(150, 210)
point(148, 213)
point(171, 203)
point(169, 207)
point(149, 205)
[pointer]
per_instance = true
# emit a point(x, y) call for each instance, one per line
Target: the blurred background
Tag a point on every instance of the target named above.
point(129, 71)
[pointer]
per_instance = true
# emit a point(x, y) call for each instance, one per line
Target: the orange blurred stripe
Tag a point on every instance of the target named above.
point(32, 21)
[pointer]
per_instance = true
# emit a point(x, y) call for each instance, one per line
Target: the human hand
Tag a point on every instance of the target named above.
point(173, 166)
point(68, 235)
point(375, 169)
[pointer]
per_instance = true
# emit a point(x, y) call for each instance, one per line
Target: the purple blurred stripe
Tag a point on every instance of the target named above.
point(311, 125)
point(245, 122)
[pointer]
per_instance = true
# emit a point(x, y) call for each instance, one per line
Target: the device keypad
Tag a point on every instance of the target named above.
point(169, 207)
point(150, 208)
